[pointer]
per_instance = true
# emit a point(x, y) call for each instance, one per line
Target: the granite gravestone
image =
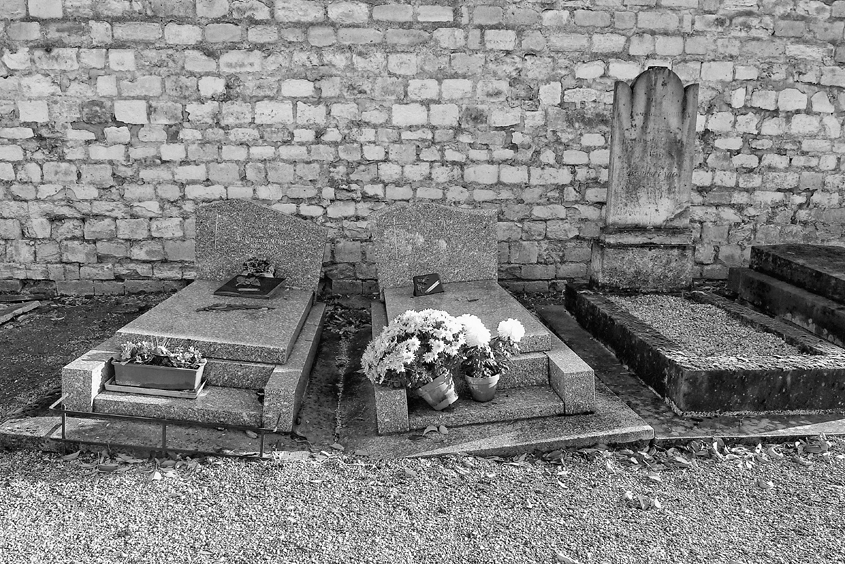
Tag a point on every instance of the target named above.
point(646, 242)
point(412, 240)
point(231, 231)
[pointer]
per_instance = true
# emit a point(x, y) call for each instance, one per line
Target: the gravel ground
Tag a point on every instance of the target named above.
point(703, 329)
point(748, 507)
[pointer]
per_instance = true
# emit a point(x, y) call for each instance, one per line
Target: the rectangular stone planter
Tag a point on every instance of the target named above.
point(703, 385)
point(158, 377)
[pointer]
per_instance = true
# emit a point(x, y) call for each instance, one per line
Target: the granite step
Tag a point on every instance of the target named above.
point(508, 405)
point(227, 406)
point(818, 269)
point(817, 314)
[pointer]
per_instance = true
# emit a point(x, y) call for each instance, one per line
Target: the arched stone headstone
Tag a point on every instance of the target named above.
point(410, 240)
point(231, 231)
point(646, 241)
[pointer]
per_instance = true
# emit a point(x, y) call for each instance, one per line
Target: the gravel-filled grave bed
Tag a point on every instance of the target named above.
point(705, 354)
point(703, 329)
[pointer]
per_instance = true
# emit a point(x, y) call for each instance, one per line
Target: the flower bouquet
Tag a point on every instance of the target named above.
point(485, 358)
point(148, 364)
point(417, 351)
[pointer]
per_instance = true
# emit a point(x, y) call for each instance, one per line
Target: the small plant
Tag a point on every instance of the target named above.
point(414, 349)
point(258, 267)
point(156, 353)
point(483, 356)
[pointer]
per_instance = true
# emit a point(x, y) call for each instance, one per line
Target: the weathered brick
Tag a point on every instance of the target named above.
point(42, 9)
point(434, 14)
point(393, 13)
point(13, 9)
point(299, 11)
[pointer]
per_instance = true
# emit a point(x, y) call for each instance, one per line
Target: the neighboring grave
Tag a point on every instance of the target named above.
point(461, 245)
point(253, 345)
point(646, 243)
point(231, 231)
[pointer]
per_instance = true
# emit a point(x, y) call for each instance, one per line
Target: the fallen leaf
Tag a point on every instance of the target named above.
point(155, 476)
point(251, 434)
point(337, 446)
point(411, 473)
point(654, 477)
point(168, 463)
point(72, 456)
point(443, 430)
point(561, 557)
point(765, 484)
point(107, 467)
point(429, 429)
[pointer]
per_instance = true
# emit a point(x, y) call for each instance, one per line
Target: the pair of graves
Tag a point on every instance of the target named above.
point(259, 352)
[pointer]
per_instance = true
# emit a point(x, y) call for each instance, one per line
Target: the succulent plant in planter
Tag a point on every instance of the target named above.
point(151, 364)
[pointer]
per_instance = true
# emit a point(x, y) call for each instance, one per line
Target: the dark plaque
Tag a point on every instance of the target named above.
point(427, 284)
point(243, 286)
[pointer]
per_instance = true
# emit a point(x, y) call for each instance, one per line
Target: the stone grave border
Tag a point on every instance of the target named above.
point(696, 385)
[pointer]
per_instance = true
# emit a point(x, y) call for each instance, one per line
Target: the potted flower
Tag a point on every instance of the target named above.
point(148, 364)
point(484, 358)
point(417, 351)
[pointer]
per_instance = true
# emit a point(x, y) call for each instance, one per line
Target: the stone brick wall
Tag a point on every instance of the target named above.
point(119, 117)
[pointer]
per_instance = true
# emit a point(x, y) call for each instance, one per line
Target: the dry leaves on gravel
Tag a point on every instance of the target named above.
point(106, 462)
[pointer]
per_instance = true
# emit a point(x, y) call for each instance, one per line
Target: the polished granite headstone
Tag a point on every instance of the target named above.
point(411, 240)
point(231, 231)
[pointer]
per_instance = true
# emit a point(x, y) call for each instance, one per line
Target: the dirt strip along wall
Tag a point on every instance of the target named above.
point(119, 117)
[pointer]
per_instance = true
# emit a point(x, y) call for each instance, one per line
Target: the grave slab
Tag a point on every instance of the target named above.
point(228, 406)
point(485, 299)
point(817, 314)
point(253, 335)
point(410, 240)
point(231, 231)
point(819, 269)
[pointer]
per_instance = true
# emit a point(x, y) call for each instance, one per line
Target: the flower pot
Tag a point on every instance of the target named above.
point(440, 392)
point(483, 389)
point(158, 377)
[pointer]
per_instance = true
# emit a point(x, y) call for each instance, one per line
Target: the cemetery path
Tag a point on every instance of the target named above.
point(37, 344)
point(338, 509)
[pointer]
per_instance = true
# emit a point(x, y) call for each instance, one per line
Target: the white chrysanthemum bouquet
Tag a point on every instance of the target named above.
point(414, 349)
point(484, 356)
